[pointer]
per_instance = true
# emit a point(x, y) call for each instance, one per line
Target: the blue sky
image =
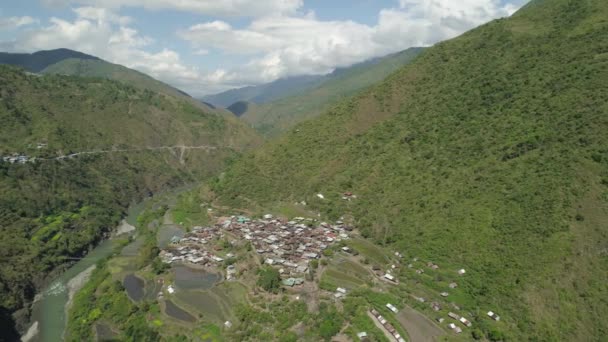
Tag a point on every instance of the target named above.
point(206, 46)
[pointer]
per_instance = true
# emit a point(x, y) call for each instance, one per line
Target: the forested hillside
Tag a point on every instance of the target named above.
point(102, 69)
point(54, 208)
point(489, 153)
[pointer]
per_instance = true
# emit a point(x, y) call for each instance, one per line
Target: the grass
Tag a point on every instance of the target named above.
point(373, 252)
point(215, 305)
point(211, 333)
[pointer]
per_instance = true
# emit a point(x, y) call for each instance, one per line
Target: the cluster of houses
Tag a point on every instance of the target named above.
point(191, 248)
point(289, 246)
point(460, 319)
point(389, 327)
point(17, 159)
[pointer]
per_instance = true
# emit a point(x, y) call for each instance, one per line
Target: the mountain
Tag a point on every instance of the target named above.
point(99, 68)
point(38, 61)
point(275, 117)
point(74, 63)
point(90, 146)
point(489, 152)
point(265, 92)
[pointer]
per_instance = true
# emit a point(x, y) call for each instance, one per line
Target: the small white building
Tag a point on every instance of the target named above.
point(389, 277)
point(228, 324)
point(465, 322)
point(321, 196)
point(462, 271)
point(493, 316)
point(341, 290)
point(392, 307)
point(362, 335)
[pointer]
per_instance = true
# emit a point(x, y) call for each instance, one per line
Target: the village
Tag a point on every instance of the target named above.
point(289, 246)
point(18, 159)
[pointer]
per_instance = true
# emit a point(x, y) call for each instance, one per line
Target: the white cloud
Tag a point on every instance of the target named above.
point(231, 8)
point(201, 52)
point(10, 23)
point(294, 45)
point(278, 42)
point(101, 33)
point(101, 15)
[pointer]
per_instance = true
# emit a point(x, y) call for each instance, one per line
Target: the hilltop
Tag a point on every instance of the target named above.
point(489, 153)
point(38, 61)
point(74, 63)
point(56, 207)
point(102, 69)
point(273, 118)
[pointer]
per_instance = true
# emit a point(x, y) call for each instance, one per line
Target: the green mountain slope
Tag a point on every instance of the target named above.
point(103, 69)
point(52, 208)
point(100, 68)
point(275, 117)
point(488, 153)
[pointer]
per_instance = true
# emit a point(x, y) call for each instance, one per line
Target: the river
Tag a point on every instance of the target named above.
point(49, 311)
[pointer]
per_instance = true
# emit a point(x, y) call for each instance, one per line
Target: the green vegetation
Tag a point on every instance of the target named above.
point(285, 320)
point(53, 210)
point(104, 298)
point(487, 153)
point(101, 69)
point(269, 279)
point(188, 210)
point(278, 116)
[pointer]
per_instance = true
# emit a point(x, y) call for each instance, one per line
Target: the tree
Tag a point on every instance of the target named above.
point(269, 279)
point(158, 266)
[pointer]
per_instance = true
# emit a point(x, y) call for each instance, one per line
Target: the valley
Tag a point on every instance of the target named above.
point(456, 192)
point(342, 269)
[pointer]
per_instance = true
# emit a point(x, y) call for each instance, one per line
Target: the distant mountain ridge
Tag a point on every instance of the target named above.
point(265, 92)
point(285, 87)
point(38, 61)
point(275, 117)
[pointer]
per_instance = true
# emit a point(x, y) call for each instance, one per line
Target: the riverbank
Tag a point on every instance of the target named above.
point(31, 333)
point(76, 283)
